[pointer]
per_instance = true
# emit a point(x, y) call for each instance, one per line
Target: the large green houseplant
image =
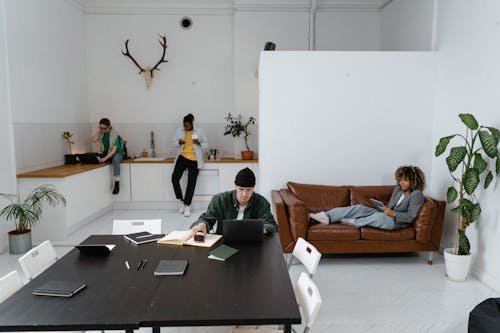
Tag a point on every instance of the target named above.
point(27, 213)
point(237, 126)
point(476, 156)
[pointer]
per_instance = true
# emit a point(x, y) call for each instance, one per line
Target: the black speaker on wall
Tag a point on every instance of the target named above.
point(270, 46)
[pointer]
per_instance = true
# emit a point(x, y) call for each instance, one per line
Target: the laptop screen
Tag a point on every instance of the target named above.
point(242, 231)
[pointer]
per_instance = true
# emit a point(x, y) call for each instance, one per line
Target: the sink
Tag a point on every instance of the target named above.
point(150, 159)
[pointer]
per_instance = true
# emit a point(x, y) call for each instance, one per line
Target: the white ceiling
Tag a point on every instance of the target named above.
point(160, 6)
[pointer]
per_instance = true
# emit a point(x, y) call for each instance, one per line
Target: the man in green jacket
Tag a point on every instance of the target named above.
point(240, 203)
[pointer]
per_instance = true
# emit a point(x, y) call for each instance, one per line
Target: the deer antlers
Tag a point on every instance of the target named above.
point(148, 72)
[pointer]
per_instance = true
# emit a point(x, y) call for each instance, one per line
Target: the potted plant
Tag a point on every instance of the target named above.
point(236, 126)
point(69, 158)
point(27, 213)
point(475, 156)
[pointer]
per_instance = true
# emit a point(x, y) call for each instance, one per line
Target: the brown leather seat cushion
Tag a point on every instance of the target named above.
point(370, 233)
point(331, 232)
point(320, 197)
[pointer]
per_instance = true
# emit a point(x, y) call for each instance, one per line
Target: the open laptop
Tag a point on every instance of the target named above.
point(242, 231)
point(88, 158)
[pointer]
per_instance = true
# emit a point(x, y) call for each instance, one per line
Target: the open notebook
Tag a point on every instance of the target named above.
point(186, 238)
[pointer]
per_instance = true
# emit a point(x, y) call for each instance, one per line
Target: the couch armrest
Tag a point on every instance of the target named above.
point(280, 212)
point(424, 221)
point(298, 214)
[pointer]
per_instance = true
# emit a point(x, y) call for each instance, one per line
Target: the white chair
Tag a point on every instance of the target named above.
point(38, 259)
point(9, 284)
point(307, 254)
point(308, 299)
point(123, 227)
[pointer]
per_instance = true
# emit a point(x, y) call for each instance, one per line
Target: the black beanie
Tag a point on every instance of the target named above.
point(245, 178)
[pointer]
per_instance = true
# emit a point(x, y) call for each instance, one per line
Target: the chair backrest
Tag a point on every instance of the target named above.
point(9, 284)
point(123, 227)
point(38, 259)
point(307, 254)
point(308, 298)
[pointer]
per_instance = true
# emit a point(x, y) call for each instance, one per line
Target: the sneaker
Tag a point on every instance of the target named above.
point(321, 217)
point(348, 221)
point(182, 208)
point(187, 211)
point(116, 189)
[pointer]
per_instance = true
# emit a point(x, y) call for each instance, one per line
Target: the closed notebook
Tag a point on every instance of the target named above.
point(222, 252)
point(59, 288)
point(171, 267)
point(142, 237)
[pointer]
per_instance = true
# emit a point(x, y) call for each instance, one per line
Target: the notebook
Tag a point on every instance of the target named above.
point(171, 267)
point(95, 249)
point(242, 231)
point(222, 252)
point(59, 288)
point(88, 158)
point(142, 237)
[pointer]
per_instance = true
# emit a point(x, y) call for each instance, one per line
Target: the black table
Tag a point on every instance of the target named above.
point(251, 288)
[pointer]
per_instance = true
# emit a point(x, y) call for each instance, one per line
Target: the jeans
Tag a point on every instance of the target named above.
point(181, 165)
point(115, 161)
point(365, 216)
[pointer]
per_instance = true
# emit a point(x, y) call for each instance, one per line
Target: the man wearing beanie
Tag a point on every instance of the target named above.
point(240, 203)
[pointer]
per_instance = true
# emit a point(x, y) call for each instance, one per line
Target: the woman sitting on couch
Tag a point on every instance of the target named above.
point(406, 200)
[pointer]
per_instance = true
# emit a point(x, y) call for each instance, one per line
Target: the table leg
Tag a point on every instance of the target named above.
point(129, 331)
point(156, 329)
point(287, 328)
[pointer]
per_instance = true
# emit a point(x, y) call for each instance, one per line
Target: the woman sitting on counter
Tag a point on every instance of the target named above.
point(189, 142)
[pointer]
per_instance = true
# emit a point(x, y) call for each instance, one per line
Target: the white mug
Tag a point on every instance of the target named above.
point(194, 136)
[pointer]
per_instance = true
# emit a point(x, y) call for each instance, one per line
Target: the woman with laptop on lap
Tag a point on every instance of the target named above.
point(110, 149)
point(240, 203)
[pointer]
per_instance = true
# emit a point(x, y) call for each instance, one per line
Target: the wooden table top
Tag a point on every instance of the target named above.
point(66, 170)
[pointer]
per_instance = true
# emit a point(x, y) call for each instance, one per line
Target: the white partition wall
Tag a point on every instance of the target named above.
point(343, 117)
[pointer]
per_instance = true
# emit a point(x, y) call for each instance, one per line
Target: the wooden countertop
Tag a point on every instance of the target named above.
point(66, 170)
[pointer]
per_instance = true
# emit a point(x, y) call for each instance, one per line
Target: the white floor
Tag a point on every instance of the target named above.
point(361, 293)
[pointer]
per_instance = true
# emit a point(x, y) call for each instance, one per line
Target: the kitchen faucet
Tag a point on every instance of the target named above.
point(152, 144)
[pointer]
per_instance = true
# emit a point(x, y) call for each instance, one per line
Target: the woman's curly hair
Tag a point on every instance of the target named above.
point(413, 174)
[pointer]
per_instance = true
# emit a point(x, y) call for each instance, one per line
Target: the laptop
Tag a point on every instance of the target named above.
point(88, 158)
point(242, 231)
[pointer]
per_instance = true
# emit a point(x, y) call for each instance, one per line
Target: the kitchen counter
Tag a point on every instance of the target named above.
point(66, 170)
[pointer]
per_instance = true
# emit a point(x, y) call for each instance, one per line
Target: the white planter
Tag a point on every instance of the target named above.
point(457, 266)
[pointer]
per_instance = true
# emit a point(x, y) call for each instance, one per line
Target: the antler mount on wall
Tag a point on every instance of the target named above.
point(148, 72)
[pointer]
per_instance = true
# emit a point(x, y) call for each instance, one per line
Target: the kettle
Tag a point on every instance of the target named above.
point(213, 154)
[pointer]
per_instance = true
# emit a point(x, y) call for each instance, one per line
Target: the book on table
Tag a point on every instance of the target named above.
point(181, 237)
point(59, 288)
point(222, 252)
point(143, 237)
point(171, 267)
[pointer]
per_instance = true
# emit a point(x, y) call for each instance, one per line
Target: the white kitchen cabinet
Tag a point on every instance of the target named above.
point(147, 181)
point(168, 193)
point(124, 194)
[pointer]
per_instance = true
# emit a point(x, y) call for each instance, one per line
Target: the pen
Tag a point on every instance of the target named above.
point(144, 264)
point(127, 265)
point(140, 264)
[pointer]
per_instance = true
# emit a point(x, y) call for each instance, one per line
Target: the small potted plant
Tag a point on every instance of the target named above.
point(27, 214)
point(237, 126)
point(475, 160)
point(69, 158)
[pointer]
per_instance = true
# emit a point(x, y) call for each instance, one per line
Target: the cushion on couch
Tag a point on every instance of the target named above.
point(331, 232)
point(320, 197)
point(360, 195)
point(370, 233)
point(424, 221)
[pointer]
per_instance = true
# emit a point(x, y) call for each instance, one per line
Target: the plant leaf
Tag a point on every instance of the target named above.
point(488, 179)
point(443, 143)
point(463, 243)
point(495, 133)
point(479, 162)
point(488, 143)
point(451, 194)
point(497, 164)
point(471, 180)
point(456, 209)
point(474, 213)
point(469, 121)
point(457, 155)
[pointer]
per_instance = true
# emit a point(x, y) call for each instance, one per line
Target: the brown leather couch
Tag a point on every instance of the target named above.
point(292, 206)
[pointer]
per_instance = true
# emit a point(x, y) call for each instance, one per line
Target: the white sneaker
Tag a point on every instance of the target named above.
point(187, 211)
point(182, 208)
point(348, 221)
point(321, 217)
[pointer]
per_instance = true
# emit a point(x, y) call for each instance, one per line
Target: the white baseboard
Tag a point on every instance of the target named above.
point(485, 277)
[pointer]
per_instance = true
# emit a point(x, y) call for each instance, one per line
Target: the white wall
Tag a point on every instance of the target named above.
point(468, 81)
point(407, 25)
point(347, 30)
point(48, 86)
point(344, 117)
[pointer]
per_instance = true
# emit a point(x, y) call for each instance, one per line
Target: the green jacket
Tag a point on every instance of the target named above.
point(224, 206)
